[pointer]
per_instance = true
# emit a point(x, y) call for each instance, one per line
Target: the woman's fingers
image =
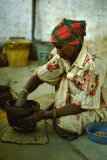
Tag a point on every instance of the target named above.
point(26, 124)
point(28, 120)
point(20, 103)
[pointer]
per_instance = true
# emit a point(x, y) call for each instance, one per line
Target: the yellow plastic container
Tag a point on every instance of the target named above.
point(17, 52)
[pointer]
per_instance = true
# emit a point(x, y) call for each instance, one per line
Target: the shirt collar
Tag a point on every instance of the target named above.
point(81, 57)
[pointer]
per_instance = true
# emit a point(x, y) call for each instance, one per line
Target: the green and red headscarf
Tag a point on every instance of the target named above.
point(69, 32)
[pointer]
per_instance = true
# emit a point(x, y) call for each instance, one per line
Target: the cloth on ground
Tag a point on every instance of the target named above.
point(38, 136)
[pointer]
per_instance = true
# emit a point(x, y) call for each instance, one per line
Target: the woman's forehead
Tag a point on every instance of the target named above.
point(58, 44)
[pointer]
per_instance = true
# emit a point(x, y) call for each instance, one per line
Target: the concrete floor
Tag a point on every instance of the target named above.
point(57, 148)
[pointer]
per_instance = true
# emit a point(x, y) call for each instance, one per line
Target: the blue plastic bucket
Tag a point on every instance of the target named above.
point(97, 127)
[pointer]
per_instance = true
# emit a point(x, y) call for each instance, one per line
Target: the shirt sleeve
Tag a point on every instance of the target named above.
point(93, 76)
point(52, 71)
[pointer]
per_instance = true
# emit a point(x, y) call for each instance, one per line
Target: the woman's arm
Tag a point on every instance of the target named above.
point(30, 86)
point(70, 109)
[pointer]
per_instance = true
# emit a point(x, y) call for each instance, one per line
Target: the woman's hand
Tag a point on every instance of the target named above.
point(22, 100)
point(32, 120)
point(30, 86)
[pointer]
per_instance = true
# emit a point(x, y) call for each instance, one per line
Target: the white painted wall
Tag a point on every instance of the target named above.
point(15, 19)
point(51, 12)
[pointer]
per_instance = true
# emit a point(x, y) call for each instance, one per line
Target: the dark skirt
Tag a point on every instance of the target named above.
point(65, 134)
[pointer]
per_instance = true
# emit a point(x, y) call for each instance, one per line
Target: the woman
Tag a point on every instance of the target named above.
point(77, 76)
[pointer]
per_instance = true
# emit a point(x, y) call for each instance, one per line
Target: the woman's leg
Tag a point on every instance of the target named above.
point(65, 134)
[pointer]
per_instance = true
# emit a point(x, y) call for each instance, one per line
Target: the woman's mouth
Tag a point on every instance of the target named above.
point(63, 57)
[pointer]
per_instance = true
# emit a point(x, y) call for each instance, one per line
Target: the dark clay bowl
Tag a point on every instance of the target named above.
point(15, 114)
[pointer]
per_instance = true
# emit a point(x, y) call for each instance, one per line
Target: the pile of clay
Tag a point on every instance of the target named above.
point(14, 114)
point(5, 95)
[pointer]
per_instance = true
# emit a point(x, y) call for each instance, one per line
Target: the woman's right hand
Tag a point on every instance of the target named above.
point(22, 100)
point(30, 86)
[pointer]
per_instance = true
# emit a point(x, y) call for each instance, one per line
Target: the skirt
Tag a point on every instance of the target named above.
point(65, 134)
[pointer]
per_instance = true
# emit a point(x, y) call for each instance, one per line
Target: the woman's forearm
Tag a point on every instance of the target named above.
point(70, 109)
point(32, 84)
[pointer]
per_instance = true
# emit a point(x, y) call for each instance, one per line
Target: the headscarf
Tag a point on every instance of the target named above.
point(69, 32)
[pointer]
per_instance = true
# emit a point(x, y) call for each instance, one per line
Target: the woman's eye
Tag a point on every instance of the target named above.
point(59, 47)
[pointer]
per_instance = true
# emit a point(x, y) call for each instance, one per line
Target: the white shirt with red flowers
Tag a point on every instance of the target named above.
point(81, 83)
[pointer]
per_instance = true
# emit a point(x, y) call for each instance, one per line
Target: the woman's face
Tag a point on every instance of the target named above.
point(65, 51)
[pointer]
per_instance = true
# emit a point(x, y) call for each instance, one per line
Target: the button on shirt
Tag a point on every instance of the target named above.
point(81, 83)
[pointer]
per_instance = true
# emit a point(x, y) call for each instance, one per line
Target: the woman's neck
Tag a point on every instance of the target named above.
point(75, 55)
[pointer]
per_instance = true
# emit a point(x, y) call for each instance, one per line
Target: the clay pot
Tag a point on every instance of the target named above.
point(15, 114)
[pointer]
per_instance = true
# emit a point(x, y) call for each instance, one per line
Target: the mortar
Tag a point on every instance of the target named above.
point(15, 114)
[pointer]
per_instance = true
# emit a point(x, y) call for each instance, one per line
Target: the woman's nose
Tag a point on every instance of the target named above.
point(58, 51)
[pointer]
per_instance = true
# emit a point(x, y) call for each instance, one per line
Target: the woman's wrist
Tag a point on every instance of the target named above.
point(25, 90)
point(24, 93)
point(48, 114)
point(51, 114)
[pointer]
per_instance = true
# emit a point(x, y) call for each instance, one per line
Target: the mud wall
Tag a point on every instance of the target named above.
point(15, 19)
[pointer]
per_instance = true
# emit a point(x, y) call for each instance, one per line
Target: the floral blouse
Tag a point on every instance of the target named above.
point(81, 83)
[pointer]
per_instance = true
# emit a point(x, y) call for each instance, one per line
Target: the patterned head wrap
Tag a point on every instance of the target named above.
point(69, 32)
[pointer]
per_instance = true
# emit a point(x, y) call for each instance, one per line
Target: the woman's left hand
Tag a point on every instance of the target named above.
point(32, 120)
